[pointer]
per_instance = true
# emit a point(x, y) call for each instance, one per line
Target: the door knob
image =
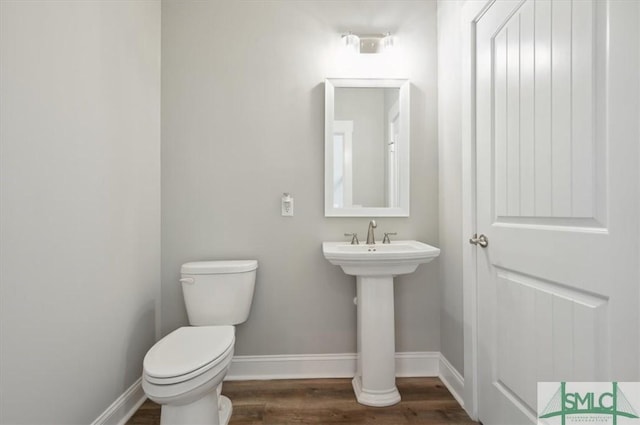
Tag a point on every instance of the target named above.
point(479, 240)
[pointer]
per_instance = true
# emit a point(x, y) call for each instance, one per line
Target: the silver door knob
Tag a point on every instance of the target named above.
point(479, 240)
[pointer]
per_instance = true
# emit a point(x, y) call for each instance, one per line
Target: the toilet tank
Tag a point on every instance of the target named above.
point(218, 292)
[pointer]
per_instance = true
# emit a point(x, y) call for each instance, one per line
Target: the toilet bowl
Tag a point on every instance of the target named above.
point(186, 366)
point(183, 372)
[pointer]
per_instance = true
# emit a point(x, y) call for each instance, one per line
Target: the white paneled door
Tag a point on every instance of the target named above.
point(557, 199)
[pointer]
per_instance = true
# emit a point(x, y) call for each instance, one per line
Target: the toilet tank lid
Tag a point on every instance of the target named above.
point(219, 267)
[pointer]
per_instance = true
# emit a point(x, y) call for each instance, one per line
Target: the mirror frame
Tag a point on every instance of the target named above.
point(402, 210)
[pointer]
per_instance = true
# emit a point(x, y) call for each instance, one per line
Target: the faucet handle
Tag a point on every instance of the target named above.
point(354, 238)
point(386, 237)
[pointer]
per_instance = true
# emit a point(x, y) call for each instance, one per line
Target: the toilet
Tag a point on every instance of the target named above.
point(183, 372)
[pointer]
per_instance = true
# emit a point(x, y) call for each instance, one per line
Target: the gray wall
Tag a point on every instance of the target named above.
point(450, 179)
point(80, 204)
point(242, 122)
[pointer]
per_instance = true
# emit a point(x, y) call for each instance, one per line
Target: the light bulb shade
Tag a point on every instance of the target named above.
point(387, 43)
point(351, 42)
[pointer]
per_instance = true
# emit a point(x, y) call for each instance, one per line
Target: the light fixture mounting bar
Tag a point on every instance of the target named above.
point(368, 43)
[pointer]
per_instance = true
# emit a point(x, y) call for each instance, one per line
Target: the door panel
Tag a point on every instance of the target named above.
point(544, 116)
point(560, 274)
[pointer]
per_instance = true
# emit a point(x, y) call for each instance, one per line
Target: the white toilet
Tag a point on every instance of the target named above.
point(183, 371)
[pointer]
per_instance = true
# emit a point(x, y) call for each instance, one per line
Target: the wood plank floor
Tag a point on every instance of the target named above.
point(328, 401)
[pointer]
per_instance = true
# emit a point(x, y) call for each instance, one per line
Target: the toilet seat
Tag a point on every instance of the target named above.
point(189, 390)
point(187, 352)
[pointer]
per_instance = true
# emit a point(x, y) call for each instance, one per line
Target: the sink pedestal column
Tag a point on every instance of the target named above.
point(375, 380)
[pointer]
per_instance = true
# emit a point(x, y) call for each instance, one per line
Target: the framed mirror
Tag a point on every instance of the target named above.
point(366, 148)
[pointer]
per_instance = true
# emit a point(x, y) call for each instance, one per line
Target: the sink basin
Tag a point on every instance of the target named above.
point(375, 267)
point(396, 258)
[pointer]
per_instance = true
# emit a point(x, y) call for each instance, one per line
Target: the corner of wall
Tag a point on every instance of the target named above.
point(450, 182)
point(452, 379)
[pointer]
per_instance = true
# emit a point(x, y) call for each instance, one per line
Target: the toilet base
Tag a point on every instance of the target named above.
point(225, 410)
point(208, 410)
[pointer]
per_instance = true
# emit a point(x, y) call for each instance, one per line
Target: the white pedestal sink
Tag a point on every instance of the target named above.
point(375, 267)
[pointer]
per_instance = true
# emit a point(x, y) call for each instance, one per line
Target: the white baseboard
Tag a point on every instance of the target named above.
point(324, 366)
point(124, 407)
point(244, 368)
point(417, 363)
point(452, 379)
point(301, 366)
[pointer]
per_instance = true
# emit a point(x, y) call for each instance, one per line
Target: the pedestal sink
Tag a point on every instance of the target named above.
point(375, 266)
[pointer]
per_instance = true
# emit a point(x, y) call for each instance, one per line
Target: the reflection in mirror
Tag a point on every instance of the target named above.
point(363, 150)
point(342, 163)
point(366, 148)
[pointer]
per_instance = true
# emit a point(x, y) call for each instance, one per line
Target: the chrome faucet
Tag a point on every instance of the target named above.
point(371, 239)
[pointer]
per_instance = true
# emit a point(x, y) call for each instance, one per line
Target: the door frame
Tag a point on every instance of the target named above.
point(471, 13)
point(345, 127)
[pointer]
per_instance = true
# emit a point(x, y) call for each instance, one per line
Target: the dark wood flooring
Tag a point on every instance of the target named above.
point(328, 401)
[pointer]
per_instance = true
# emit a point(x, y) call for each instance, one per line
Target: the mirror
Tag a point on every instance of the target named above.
point(366, 148)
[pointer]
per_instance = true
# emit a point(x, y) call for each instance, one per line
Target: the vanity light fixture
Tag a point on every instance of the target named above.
point(368, 43)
